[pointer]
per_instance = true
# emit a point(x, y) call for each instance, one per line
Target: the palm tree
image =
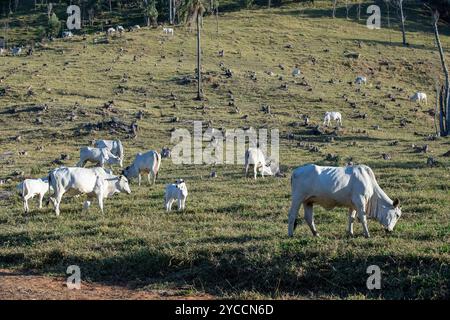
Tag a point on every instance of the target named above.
point(194, 10)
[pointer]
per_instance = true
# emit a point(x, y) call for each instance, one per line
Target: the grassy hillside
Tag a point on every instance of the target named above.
point(232, 240)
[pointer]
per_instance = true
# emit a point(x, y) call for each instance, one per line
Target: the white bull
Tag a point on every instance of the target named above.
point(353, 187)
point(94, 182)
point(29, 188)
point(148, 162)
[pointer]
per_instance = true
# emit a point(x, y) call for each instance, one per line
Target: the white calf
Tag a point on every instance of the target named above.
point(361, 80)
point(111, 31)
point(29, 188)
point(168, 31)
point(335, 116)
point(176, 191)
point(419, 97)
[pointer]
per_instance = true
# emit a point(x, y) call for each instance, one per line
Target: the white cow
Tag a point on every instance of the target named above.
point(16, 51)
point(176, 192)
point(419, 97)
point(100, 156)
point(115, 146)
point(168, 31)
point(94, 182)
point(361, 80)
point(335, 116)
point(120, 29)
point(148, 162)
point(111, 31)
point(255, 156)
point(29, 188)
point(353, 187)
point(67, 34)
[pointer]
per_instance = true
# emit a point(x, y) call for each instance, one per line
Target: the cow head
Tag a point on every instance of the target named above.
point(130, 172)
point(122, 184)
point(391, 216)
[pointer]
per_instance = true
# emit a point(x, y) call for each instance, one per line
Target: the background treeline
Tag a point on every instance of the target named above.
point(96, 8)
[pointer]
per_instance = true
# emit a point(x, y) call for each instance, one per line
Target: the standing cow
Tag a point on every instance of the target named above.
point(148, 162)
point(335, 116)
point(114, 146)
point(94, 182)
point(255, 157)
point(99, 156)
point(353, 187)
point(419, 97)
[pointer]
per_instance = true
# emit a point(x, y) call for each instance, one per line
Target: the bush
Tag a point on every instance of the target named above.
point(54, 26)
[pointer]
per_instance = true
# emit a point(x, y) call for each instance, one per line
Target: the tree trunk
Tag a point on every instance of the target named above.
point(389, 20)
point(359, 11)
point(334, 8)
point(110, 5)
point(269, 3)
point(402, 20)
point(199, 62)
point(170, 12)
point(346, 9)
point(444, 117)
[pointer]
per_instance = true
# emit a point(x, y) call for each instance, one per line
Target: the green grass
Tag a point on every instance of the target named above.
point(232, 240)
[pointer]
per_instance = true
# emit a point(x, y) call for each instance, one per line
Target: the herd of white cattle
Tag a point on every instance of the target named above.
point(353, 186)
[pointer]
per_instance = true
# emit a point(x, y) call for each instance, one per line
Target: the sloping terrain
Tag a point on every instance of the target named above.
point(232, 240)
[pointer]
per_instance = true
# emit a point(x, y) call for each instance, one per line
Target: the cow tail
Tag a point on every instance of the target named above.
point(119, 143)
point(156, 163)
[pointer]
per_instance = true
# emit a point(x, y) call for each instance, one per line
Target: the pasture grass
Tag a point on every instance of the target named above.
point(232, 240)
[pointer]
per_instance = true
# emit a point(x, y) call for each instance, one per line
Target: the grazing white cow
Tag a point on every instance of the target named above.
point(148, 162)
point(2, 51)
point(176, 192)
point(114, 146)
point(29, 188)
point(361, 80)
point(136, 27)
point(100, 156)
point(111, 31)
point(168, 31)
point(94, 182)
point(120, 29)
point(16, 51)
point(67, 34)
point(335, 116)
point(255, 156)
point(353, 187)
point(419, 97)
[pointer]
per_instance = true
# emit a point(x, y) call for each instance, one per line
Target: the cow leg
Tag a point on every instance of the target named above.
point(255, 171)
point(148, 178)
point(41, 197)
point(25, 204)
point(139, 179)
point(360, 208)
point(169, 205)
point(154, 175)
point(351, 219)
point(57, 203)
point(180, 205)
point(246, 169)
point(309, 217)
point(183, 204)
point(100, 203)
point(293, 212)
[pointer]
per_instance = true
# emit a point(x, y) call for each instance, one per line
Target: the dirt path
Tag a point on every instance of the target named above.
point(23, 286)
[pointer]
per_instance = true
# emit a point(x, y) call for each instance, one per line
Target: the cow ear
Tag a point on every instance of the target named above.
point(396, 202)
